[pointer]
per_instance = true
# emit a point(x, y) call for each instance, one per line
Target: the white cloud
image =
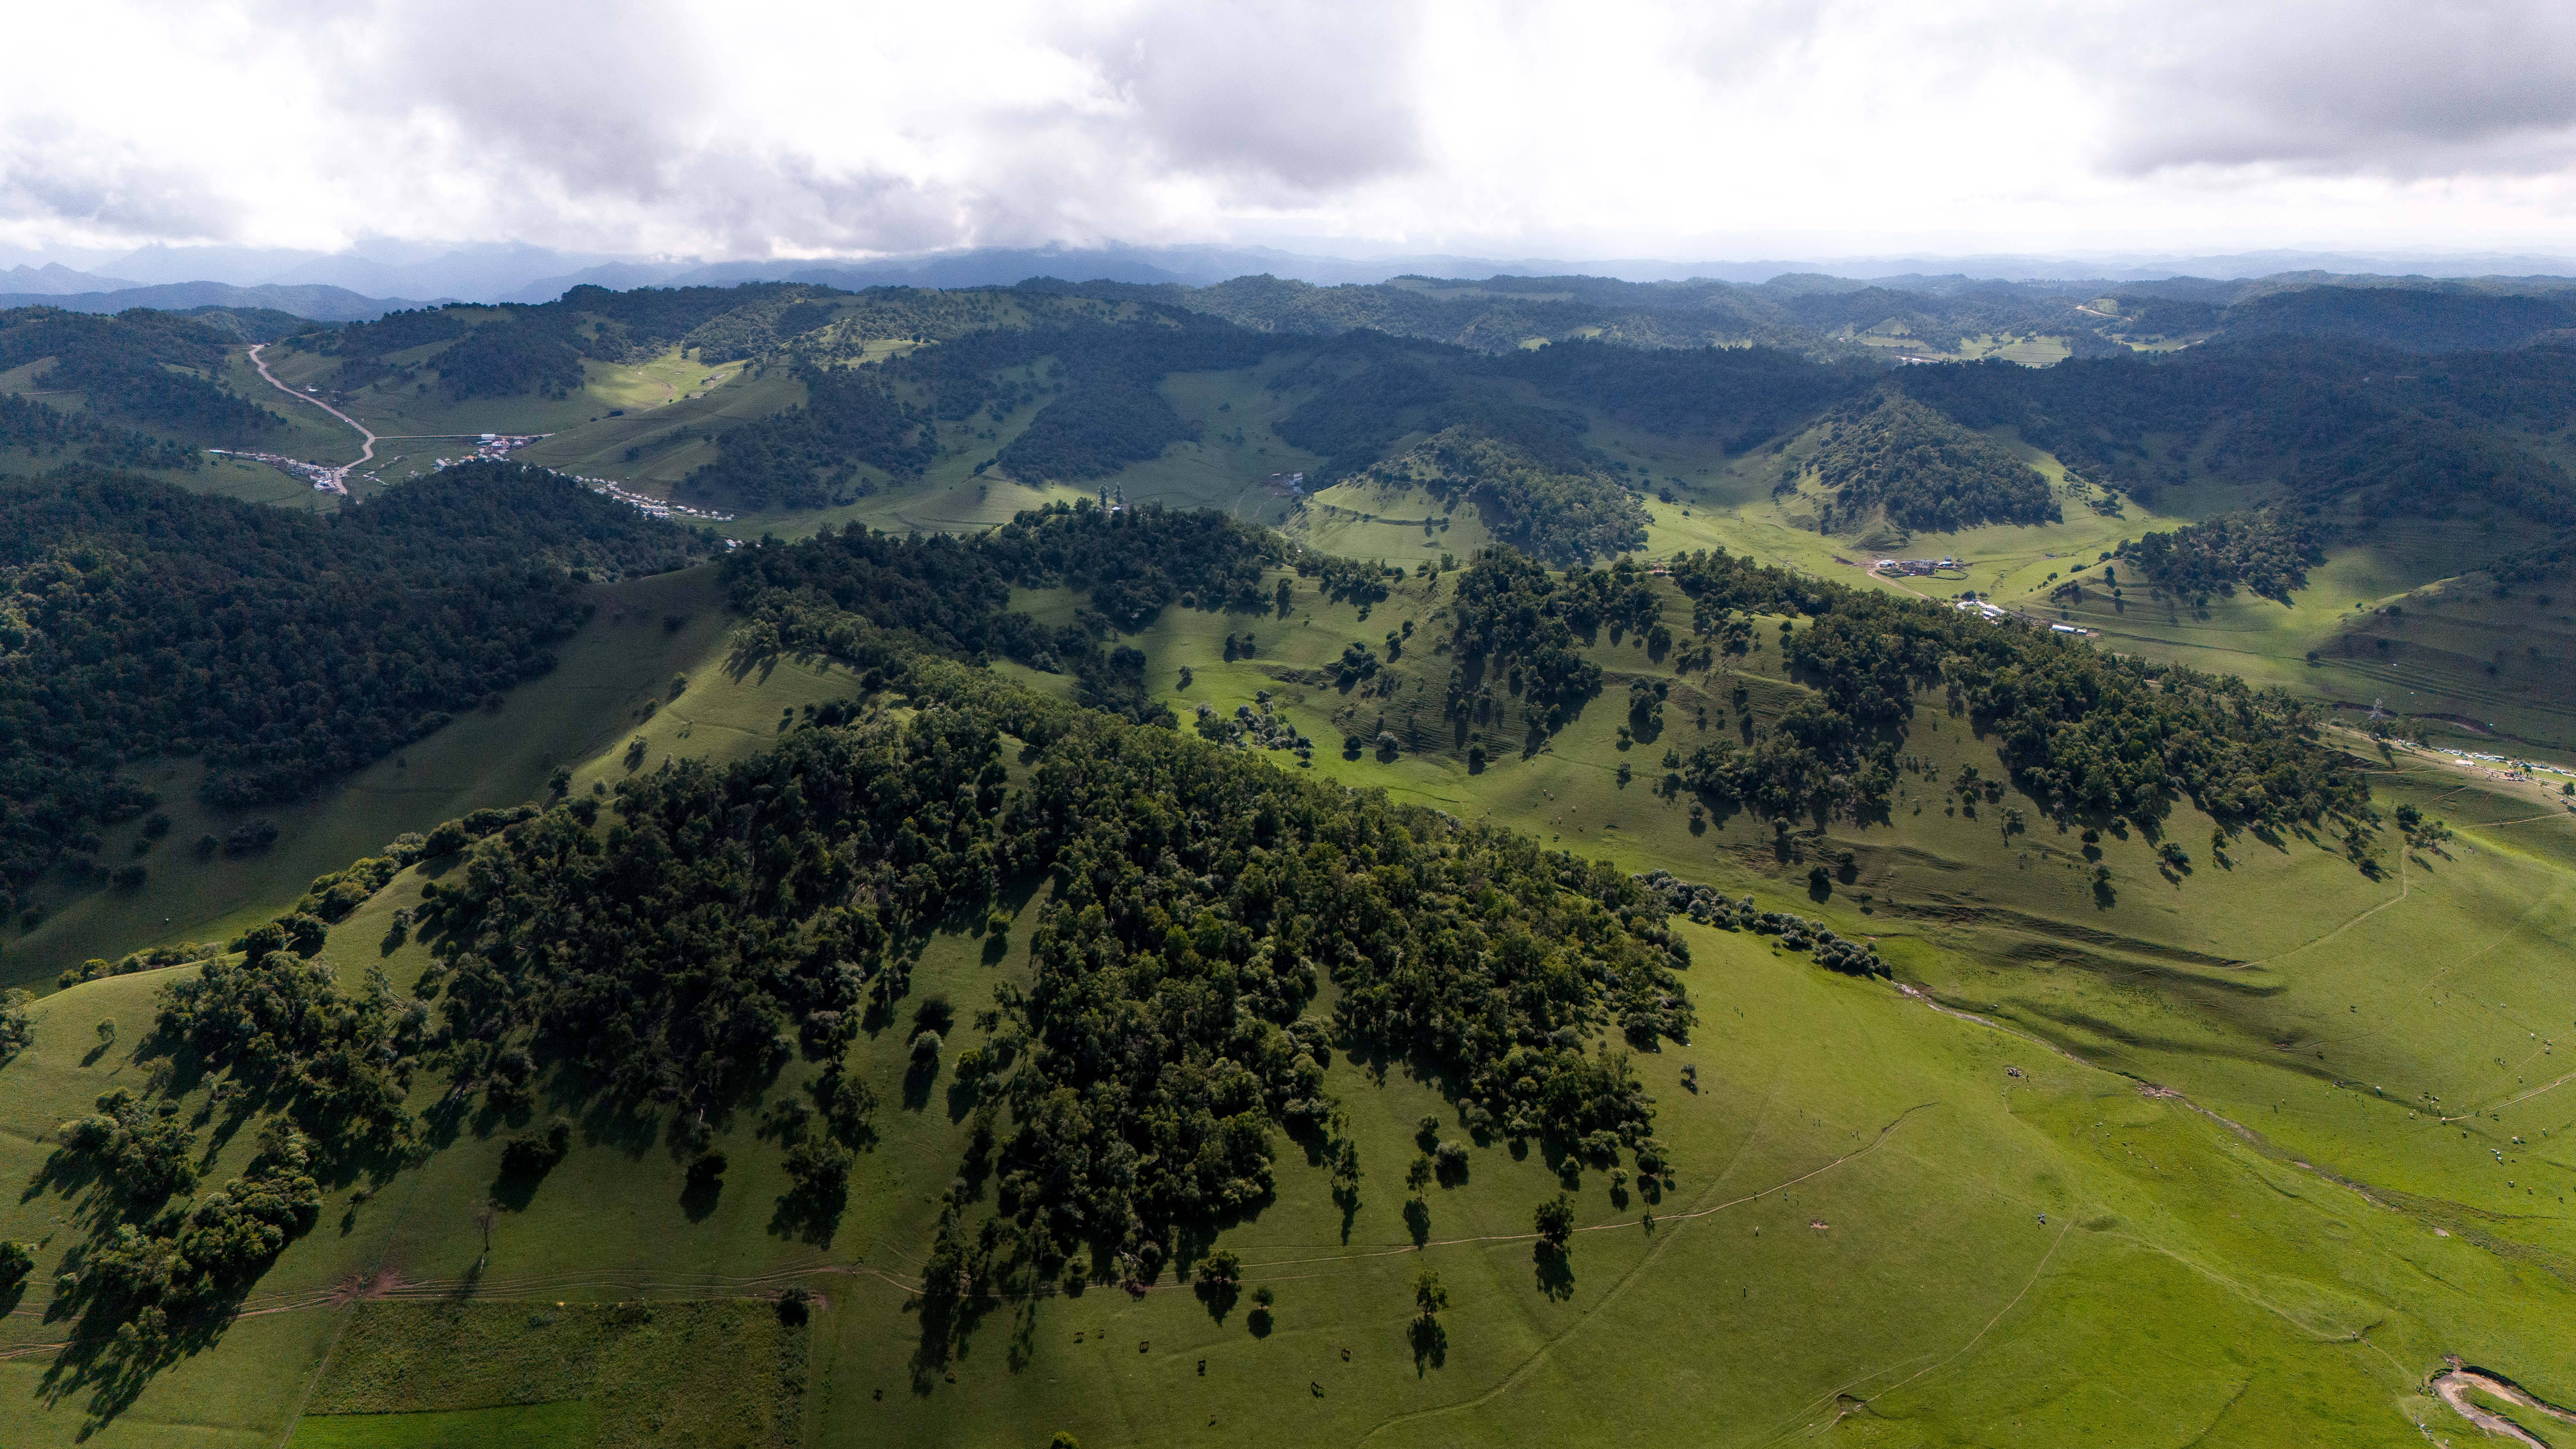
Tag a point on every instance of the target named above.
point(1613, 127)
point(2357, 87)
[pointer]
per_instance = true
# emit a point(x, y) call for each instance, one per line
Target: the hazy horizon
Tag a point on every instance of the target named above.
point(488, 272)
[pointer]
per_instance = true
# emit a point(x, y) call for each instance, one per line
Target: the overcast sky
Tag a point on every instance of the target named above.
point(1707, 130)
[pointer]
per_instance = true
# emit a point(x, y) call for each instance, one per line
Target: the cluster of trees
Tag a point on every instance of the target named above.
point(1342, 580)
point(1562, 516)
point(1094, 430)
point(1368, 391)
point(2087, 734)
point(2436, 467)
point(728, 914)
point(859, 595)
point(156, 368)
point(141, 1282)
point(338, 1062)
point(282, 648)
point(365, 348)
point(393, 332)
point(1710, 906)
point(771, 316)
point(326, 1068)
point(17, 1026)
point(2265, 552)
point(1520, 634)
point(906, 314)
point(516, 353)
point(32, 426)
point(1200, 898)
point(1100, 369)
point(1925, 471)
point(1813, 760)
point(1104, 367)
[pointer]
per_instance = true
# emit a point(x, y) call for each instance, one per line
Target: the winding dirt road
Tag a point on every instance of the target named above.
point(2453, 1387)
point(367, 453)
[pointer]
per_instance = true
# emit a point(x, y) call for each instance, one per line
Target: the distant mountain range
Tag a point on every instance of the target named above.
point(1206, 265)
point(53, 279)
point(320, 303)
point(356, 286)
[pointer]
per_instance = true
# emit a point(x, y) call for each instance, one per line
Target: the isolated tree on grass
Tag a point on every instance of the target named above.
point(1430, 1338)
point(1429, 1296)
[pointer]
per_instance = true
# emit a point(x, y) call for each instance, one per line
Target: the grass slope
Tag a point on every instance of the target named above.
point(2400, 617)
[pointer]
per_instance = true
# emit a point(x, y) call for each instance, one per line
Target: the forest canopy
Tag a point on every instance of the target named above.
point(281, 648)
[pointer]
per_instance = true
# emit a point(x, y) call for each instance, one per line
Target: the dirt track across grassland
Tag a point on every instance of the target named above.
point(366, 452)
point(2453, 1386)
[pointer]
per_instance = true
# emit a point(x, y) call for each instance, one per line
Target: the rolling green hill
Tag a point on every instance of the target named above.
point(1074, 970)
point(2252, 1136)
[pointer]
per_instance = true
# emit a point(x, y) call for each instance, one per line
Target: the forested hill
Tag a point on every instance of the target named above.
point(2095, 737)
point(871, 599)
point(1135, 1095)
point(2349, 428)
point(506, 350)
point(1096, 367)
point(1923, 471)
point(279, 647)
point(153, 369)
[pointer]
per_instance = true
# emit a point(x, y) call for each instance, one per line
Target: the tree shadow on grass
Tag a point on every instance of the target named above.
point(1417, 1220)
point(1220, 1295)
point(919, 1076)
point(810, 1211)
point(1430, 1343)
point(525, 1163)
point(698, 1198)
point(1555, 1271)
